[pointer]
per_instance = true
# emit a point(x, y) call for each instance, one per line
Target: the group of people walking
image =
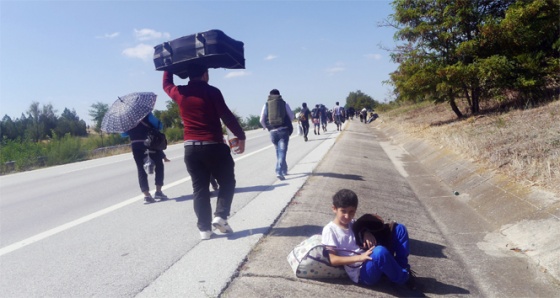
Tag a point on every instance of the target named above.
point(207, 157)
point(319, 117)
point(370, 248)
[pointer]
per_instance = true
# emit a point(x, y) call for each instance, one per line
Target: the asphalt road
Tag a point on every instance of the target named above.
point(82, 229)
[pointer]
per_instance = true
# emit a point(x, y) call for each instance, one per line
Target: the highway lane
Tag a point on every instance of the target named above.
point(83, 230)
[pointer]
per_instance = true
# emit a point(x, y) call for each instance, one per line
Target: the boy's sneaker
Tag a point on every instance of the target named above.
point(160, 196)
point(221, 224)
point(148, 200)
point(205, 235)
point(280, 176)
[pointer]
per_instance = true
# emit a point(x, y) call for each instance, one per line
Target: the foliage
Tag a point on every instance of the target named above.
point(358, 100)
point(97, 112)
point(252, 122)
point(42, 123)
point(476, 50)
point(170, 117)
point(174, 134)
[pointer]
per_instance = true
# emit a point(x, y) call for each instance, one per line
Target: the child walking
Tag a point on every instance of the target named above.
point(368, 248)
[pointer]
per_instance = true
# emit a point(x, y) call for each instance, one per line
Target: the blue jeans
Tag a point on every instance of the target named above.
point(280, 139)
point(395, 267)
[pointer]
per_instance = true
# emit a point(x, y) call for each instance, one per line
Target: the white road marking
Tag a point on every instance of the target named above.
point(69, 225)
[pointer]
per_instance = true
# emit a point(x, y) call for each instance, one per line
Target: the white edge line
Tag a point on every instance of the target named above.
point(20, 244)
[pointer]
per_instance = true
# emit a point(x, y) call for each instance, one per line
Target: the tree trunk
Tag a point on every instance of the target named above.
point(475, 107)
point(453, 104)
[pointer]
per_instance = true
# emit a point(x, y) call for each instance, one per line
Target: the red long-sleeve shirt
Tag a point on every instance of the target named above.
point(201, 106)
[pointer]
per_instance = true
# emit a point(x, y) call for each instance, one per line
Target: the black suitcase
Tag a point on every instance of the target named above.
point(212, 48)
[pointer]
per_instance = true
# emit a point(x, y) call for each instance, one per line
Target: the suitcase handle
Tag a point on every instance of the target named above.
point(167, 47)
point(200, 45)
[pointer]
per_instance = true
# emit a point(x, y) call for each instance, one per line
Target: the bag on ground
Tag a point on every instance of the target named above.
point(310, 259)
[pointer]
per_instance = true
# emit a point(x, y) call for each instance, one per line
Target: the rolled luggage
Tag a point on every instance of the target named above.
point(213, 49)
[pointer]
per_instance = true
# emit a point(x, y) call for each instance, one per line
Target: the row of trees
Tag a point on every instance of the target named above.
point(42, 123)
point(475, 50)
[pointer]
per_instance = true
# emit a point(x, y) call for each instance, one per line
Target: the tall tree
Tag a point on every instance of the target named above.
point(359, 100)
point(97, 112)
point(35, 131)
point(441, 58)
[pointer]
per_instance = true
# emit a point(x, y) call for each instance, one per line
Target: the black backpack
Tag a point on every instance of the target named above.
point(315, 113)
point(155, 140)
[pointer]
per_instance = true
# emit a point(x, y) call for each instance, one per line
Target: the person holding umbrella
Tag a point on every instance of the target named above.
point(137, 137)
point(201, 107)
point(131, 115)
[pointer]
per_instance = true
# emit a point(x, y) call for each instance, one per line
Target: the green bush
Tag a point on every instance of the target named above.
point(65, 150)
point(174, 134)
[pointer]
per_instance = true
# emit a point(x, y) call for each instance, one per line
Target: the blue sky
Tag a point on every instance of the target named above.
point(72, 54)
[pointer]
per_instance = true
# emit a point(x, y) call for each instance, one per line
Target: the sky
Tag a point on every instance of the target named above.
point(73, 54)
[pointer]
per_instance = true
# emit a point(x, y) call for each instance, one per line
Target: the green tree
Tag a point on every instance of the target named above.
point(441, 58)
point(170, 117)
point(252, 122)
point(523, 49)
point(69, 122)
point(43, 121)
point(359, 100)
point(97, 112)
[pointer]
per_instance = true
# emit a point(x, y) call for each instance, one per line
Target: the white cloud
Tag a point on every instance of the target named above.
point(235, 74)
point(270, 57)
point(141, 51)
point(108, 35)
point(150, 34)
point(337, 68)
point(373, 56)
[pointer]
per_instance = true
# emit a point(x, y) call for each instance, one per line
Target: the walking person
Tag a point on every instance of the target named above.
point(338, 115)
point(323, 117)
point(140, 152)
point(315, 120)
point(201, 107)
point(304, 116)
point(277, 117)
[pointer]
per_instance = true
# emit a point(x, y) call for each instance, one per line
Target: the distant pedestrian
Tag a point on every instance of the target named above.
point(316, 120)
point(304, 116)
point(368, 247)
point(338, 115)
point(141, 154)
point(277, 116)
point(201, 107)
point(363, 115)
point(323, 117)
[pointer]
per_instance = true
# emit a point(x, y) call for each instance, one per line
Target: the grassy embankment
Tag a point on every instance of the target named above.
point(523, 144)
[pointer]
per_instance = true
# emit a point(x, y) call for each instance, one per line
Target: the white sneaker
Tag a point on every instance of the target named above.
point(205, 235)
point(221, 224)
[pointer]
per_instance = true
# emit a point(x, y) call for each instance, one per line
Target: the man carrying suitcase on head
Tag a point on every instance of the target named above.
point(201, 107)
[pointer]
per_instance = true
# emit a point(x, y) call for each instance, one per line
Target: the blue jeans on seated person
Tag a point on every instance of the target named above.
point(395, 267)
point(280, 138)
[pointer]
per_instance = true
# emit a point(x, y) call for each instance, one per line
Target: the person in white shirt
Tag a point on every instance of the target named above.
point(374, 254)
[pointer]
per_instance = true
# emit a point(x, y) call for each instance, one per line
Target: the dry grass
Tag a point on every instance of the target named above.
point(522, 144)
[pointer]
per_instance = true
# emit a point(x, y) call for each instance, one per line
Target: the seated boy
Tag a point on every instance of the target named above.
point(366, 266)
